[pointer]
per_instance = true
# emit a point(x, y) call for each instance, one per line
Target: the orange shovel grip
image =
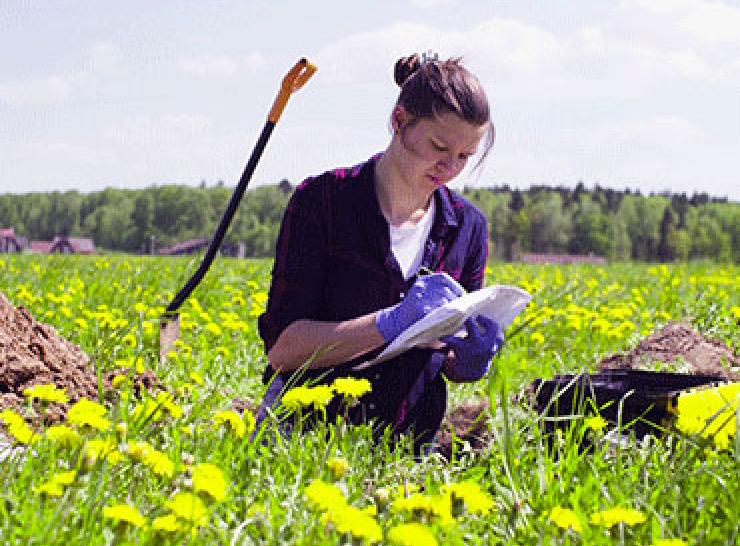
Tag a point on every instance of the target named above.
point(293, 81)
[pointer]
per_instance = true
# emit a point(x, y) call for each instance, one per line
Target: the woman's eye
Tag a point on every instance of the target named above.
point(439, 147)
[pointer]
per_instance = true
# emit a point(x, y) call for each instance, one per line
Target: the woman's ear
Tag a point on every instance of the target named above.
point(399, 118)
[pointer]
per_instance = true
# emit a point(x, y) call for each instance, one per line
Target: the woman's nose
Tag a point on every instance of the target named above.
point(448, 165)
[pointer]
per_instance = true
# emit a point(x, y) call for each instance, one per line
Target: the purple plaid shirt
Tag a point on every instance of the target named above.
point(334, 262)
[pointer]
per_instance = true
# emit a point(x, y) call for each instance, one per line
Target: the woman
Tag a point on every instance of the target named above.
point(352, 241)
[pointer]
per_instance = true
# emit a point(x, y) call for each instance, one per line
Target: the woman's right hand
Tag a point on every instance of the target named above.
point(426, 294)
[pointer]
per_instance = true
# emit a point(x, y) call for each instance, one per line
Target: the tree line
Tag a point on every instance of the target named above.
point(619, 225)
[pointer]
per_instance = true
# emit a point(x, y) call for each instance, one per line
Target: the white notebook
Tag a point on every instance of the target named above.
point(501, 303)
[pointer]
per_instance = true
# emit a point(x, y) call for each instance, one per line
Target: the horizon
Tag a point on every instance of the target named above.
point(634, 94)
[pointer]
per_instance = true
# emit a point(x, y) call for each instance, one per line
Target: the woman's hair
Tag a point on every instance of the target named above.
point(430, 87)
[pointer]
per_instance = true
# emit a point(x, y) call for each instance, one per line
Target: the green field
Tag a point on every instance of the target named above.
point(335, 487)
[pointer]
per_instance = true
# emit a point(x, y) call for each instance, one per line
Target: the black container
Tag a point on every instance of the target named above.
point(639, 401)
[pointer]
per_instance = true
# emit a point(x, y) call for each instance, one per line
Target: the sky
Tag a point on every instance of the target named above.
point(639, 94)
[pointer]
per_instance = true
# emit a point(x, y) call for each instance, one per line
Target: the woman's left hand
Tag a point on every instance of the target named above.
point(474, 352)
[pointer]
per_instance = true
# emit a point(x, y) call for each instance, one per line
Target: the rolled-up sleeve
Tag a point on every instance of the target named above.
point(299, 269)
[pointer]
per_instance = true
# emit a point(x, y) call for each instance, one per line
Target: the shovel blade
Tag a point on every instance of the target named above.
point(169, 332)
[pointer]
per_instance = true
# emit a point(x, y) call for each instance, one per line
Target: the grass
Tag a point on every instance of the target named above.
point(681, 486)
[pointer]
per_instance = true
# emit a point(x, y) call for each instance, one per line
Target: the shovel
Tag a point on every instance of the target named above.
point(169, 328)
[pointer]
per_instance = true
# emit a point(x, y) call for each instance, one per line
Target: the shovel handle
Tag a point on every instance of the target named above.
point(293, 81)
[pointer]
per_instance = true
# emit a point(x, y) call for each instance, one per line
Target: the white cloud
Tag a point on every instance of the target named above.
point(660, 131)
point(255, 60)
point(160, 131)
point(426, 4)
point(209, 66)
point(707, 21)
point(503, 44)
point(43, 91)
point(104, 57)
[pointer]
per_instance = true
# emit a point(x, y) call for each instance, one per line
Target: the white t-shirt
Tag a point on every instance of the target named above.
point(407, 243)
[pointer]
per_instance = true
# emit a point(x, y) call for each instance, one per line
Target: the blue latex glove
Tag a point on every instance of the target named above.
point(474, 352)
point(426, 294)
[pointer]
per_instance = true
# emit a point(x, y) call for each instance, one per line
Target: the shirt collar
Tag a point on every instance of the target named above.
point(445, 217)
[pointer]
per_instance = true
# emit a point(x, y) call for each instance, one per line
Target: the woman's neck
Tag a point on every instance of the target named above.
point(399, 202)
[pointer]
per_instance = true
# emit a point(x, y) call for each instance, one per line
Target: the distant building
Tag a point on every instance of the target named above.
point(532, 258)
point(64, 245)
point(10, 242)
point(41, 247)
point(195, 246)
point(192, 246)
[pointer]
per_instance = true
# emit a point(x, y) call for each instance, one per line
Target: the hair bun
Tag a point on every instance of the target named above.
point(405, 67)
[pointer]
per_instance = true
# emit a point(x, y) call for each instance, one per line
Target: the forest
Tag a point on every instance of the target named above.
point(618, 225)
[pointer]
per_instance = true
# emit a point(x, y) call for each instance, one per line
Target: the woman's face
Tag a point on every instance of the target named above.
point(435, 150)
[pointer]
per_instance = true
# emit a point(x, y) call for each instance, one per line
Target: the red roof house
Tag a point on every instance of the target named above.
point(191, 246)
point(9, 242)
point(64, 245)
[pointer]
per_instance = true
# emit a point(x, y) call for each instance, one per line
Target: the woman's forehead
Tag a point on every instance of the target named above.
point(452, 129)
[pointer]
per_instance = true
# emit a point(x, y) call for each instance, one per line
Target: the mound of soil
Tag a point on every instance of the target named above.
point(468, 423)
point(683, 349)
point(32, 353)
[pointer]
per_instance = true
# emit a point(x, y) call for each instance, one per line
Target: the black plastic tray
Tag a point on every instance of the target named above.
point(637, 399)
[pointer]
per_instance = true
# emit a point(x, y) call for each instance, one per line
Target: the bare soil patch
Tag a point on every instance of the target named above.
point(681, 348)
point(32, 353)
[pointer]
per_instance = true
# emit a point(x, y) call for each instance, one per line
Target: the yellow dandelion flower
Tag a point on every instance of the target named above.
point(17, 427)
point(213, 328)
point(119, 381)
point(47, 392)
point(138, 449)
point(167, 523)
point(233, 420)
point(475, 499)
point(324, 495)
point(537, 338)
point(338, 466)
point(412, 534)
point(710, 412)
point(189, 507)
point(159, 463)
point(350, 520)
point(125, 513)
point(612, 516)
point(299, 397)
point(102, 449)
point(63, 435)
point(595, 422)
point(87, 412)
point(209, 479)
point(50, 489)
point(670, 542)
point(196, 378)
point(167, 401)
point(414, 503)
point(565, 518)
point(66, 477)
point(351, 387)
point(420, 506)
